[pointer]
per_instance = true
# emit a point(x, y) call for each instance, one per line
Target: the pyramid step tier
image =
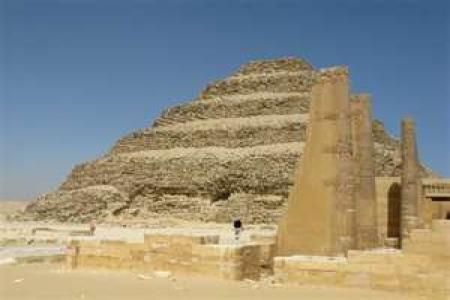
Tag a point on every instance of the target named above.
point(278, 82)
point(211, 171)
point(229, 132)
point(272, 66)
point(234, 106)
point(207, 171)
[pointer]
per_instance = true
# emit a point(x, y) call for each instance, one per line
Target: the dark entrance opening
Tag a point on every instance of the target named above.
point(448, 215)
point(394, 208)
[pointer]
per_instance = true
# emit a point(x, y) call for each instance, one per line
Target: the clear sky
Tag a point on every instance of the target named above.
point(75, 75)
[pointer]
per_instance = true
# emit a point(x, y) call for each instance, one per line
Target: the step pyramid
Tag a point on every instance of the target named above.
point(231, 152)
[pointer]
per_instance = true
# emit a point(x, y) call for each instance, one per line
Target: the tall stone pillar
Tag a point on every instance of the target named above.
point(365, 222)
point(317, 220)
point(409, 179)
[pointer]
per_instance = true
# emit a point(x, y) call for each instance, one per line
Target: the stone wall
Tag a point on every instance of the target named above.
point(199, 255)
point(421, 269)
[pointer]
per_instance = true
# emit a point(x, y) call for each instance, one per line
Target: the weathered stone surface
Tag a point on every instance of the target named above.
point(199, 255)
point(409, 179)
point(84, 204)
point(230, 133)
point(211, 172)
point(365, 226)
point(421, 269)
point(249, 208)
point(240, 139)
point(318, 217)
point(271, 66)
point(236, 106)
point(278, 82)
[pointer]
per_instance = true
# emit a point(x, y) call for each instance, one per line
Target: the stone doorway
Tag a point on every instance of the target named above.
point(394, 211)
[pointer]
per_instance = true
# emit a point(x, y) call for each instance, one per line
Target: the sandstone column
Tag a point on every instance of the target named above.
point(317, 220)
point(365, 222)
point(409, 178)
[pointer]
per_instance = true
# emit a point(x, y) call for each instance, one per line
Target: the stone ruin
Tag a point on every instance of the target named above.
point(332, 207)
point(330, 234)
point(232, 152)
point(277, 138)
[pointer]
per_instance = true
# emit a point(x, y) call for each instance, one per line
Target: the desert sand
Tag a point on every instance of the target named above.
point(49, 281)
point(55, 282)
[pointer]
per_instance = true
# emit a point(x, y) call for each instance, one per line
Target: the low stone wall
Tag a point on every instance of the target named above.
point(420, 269)
point(178, 254)
point(434, 242)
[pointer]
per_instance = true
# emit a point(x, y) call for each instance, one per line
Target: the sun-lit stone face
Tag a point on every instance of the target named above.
point(317, 220)
point(420, 269)
point(410, 177)
point(274, 66)
point(365, 225)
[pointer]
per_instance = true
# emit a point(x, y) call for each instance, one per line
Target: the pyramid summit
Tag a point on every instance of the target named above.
point(231, 152)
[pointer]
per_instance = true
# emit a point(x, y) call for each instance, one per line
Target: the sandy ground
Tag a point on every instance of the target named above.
point(52, 282)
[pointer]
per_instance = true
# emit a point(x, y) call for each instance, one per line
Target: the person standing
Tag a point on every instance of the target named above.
point(237, 224)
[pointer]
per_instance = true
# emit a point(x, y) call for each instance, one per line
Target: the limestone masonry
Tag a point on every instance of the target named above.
point(232, 152)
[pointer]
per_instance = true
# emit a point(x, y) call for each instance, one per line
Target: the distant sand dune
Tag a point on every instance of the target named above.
point(8, 207)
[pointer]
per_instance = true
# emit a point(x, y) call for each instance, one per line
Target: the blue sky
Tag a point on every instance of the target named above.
point(75, 75)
